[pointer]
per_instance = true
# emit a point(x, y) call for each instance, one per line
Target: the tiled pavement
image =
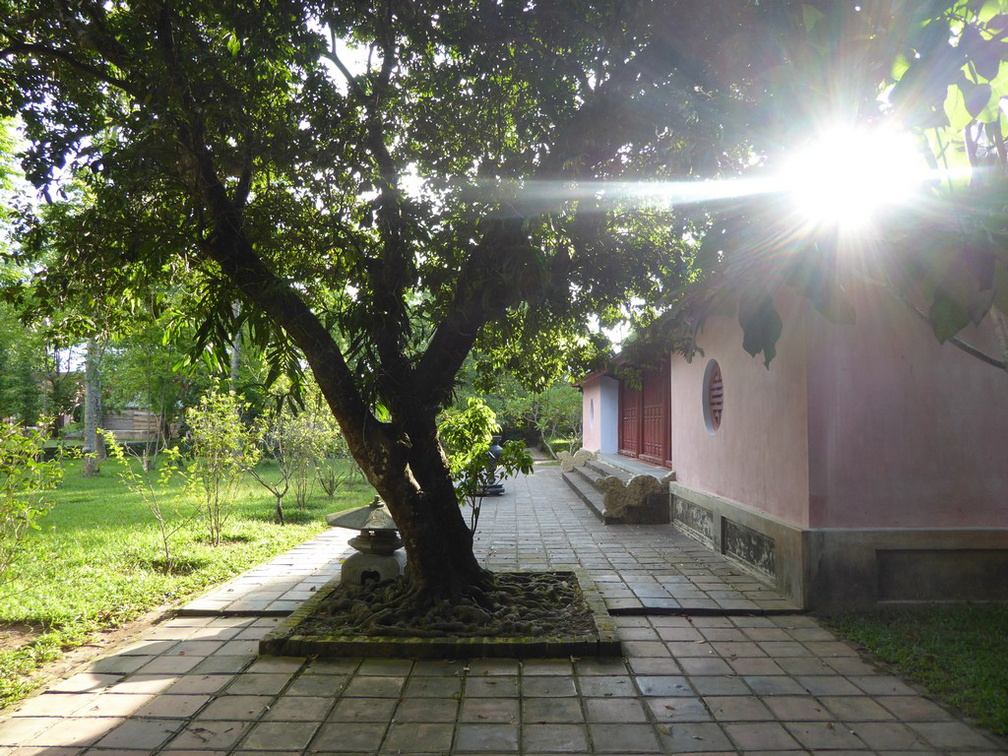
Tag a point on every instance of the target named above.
point(277, 588)
point(541, 524)
point(734, 681)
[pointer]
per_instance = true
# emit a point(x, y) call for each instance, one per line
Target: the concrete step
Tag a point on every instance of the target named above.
point(585, 490)
point(587, 474)
point(596, 468)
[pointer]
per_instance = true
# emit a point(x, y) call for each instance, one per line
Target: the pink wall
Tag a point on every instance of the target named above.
point(759, 455)
point(904, 431)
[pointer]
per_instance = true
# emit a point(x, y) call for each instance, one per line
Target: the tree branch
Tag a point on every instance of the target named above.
point(352, 82)
point(391, 273)
point(65, 56)
point(229, 247)
point(598, 129)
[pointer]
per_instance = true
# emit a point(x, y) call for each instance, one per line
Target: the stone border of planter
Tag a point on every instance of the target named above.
point(287, 640)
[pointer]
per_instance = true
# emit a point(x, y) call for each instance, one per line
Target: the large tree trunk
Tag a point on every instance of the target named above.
point(440, 560)
point(422, 500)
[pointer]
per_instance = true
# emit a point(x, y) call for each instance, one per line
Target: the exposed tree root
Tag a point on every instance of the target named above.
point(519, 604)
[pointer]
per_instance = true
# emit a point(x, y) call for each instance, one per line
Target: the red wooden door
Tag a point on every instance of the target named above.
point(654, 447)
point(630, 416)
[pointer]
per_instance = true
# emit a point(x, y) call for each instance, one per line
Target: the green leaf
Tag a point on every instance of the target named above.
point(955, 109)
point(979, 260)
point(987, 58)
point(761, 325)
point(811, 16)
point(979, 305)
point(947, 315)
point(382, 412)
point(899, 67)
point(814, 277)
point(233, 45)
point(1001, 286)
point(975, 97)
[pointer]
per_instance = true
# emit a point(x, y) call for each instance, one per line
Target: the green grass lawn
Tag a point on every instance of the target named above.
point(958, 652)
point(96, 561)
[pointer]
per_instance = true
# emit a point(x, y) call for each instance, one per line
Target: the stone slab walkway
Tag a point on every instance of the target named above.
point(728, 680)
point(278, 587)
point(540, 524)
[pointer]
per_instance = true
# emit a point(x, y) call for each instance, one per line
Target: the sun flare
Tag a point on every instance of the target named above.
point(847, 176)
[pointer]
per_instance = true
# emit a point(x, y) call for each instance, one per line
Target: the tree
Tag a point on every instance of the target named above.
point(261, 154)
point(148, 368)
point(554, 411)
point(21, 353)
point(245, 145)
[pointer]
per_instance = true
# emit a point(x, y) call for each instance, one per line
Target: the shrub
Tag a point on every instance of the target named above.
point(467, 435)
point(138, 463)
point(558, 445)
point(222, 449)
point(24, 481)
point(300, 440)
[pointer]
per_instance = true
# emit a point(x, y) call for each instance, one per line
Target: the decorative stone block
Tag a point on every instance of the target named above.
point(642, 499)
point(569, 461)
point(695, 520)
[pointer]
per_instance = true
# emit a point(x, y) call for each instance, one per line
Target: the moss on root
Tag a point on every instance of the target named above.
point(506, 605)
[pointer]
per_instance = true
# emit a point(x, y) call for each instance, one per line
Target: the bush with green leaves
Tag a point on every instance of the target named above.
point(141, 473)
point(309, 432)
point(337, 467)
point(222, 448)
point(25, 480)
point(274, 439)
point(300, 436)
point(466, 435)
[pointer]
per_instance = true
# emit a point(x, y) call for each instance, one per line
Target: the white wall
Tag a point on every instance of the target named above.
point(600, 413)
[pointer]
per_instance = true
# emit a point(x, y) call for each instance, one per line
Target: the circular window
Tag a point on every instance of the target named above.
point(713, 396)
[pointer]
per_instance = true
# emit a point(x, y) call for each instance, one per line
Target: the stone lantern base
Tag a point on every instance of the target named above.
point(361, 568)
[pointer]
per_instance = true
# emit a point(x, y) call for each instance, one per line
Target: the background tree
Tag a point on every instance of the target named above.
point(21, 353)
point(148, 368)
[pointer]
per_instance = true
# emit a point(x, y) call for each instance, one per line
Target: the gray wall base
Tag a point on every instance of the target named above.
point(831, 569)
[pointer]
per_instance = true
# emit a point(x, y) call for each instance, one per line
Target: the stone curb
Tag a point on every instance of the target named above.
point(285, 640)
